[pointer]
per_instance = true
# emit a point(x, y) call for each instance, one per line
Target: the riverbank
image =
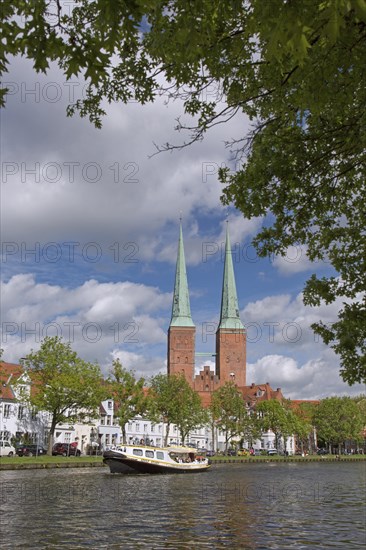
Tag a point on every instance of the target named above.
point(53, 462)
point(49, 462)
point(312, 458)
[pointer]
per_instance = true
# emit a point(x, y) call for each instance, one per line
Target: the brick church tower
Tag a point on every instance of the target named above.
point(182, 331)
point(230, 335)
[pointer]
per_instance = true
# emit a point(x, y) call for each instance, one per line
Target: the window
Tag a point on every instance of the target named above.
point(145, 428)
point(34, 414)
point(149, 454)
point(160, 455)
point(6, 411)
point(152, 428)
point(107, 439)
point(137, 452)
point(130, 426)
point(21, 412)
point(109, 420)
point(67, 437)
point(102, 420)
point(137, 427)
point(109, 404)
point(159, 428)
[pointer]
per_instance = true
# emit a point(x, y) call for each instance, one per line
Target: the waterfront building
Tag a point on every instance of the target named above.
point(18, 421)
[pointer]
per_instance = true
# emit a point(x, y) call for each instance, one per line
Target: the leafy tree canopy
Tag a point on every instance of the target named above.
point(174, 401)
point(296, 69)
point(338, 419)
point(67, 387)
point(229, 412)
point(128, 394)
point(279, 418)
point(164, 403)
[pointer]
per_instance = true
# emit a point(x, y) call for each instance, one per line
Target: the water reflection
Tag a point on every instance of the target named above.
point(235, 505)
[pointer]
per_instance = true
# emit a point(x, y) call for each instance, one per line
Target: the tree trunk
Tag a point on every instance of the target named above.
point(51, 435)
point(166, 434)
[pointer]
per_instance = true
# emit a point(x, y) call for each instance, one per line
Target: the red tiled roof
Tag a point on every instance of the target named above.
point(9, 373)
point(250, 393)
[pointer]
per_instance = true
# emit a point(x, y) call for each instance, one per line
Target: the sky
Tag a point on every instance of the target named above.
point(90, 226)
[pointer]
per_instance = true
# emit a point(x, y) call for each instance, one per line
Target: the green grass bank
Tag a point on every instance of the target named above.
point(25, 463)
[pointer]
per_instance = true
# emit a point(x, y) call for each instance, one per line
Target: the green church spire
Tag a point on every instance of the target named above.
point(229, 302)
point(181, 311)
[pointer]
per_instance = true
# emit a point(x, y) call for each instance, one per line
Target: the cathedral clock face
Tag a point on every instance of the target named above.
point(233, 358)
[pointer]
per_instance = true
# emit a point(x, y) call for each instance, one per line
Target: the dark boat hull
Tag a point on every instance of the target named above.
point(124, 465)
point(117, 467)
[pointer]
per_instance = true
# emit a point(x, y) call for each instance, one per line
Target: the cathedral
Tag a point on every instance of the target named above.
point(230, 350)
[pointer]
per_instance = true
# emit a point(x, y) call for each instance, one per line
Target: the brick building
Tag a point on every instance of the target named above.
point(230, 350)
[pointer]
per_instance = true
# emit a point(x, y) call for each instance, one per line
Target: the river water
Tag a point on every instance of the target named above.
point(261, 506)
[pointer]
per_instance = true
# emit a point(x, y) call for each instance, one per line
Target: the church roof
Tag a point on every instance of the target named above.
point(181, 311)
point(229, 317)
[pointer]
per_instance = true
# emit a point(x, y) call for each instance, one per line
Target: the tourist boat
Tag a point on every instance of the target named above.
point(132, 459)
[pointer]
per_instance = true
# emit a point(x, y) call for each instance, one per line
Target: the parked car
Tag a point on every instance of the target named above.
point(210, 453)
point(65, 449)
point(243, 452)
point(258, 452)
point(272, 452)
point(30, 450)
point(231, 452)
point(6, 449)
point(322, 452)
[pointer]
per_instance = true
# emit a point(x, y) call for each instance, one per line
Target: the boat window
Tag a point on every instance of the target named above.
point(160, 455)
point(149, 454)
point(137, 452)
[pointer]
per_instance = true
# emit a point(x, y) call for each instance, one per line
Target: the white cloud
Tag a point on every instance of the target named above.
point(133, 196)
point(94, 317)
point(282, 322)
point(139, 364)
point(295, 260)
point(315, 379)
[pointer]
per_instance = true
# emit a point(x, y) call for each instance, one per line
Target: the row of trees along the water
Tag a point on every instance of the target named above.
point(71, 390)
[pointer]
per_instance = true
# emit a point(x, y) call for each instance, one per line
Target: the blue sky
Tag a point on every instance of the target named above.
point(90, 224)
